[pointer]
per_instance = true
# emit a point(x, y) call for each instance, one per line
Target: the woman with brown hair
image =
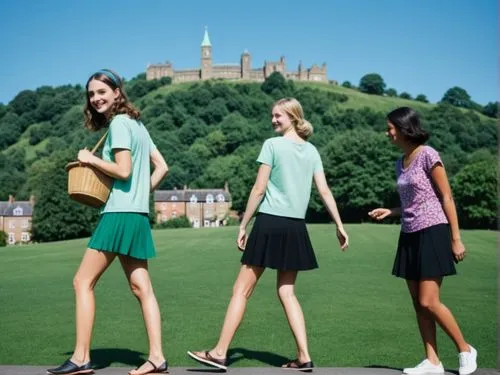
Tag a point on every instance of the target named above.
point(123, 230)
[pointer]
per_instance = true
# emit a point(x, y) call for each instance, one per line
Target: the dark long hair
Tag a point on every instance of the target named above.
point(407, 121)
point(95, 120)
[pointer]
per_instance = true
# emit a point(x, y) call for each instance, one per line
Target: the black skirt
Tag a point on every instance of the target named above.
point(281, 243)
point(425, 254)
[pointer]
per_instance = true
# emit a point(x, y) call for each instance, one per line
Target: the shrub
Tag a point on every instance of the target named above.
point(3, 239)
point(178, 222)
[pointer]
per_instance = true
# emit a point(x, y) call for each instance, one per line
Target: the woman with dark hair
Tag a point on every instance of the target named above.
point(429, 241)
point(123, 230)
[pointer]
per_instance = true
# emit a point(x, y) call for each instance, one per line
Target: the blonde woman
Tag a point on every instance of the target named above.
point(279, 238)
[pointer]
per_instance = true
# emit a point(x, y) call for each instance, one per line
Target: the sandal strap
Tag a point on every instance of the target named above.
point(211, 358)
point(295, 364)
point(152, 364)
point(292, 364)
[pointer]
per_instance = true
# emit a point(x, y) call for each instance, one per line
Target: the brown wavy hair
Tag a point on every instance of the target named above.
point(94, 120)
point(295, 113)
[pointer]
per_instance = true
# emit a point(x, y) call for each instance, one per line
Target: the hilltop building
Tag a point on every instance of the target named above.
point(241, 71)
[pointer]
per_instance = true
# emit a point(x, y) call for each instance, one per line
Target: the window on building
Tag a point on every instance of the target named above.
point(174, 198)
point(12, 224)
point(164, 218)
point(12, 238)
point(25, 236)
point(193, 199)
point(174, 214)
point(210, 198)
point(18, 211)
point(220, 198)
point(25, 224)
point(206, 223)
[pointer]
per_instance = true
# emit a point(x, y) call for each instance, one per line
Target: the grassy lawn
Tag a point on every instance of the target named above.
point(357, 313)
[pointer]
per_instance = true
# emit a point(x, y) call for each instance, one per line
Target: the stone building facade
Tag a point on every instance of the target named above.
point(241, 71)
point(15, 220)
point(203, 207)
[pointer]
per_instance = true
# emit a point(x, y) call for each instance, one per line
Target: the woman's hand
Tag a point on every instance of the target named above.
point(242, 239)
point(85, 156)
point(343, 238)
point(458, 250)
point(379, 213)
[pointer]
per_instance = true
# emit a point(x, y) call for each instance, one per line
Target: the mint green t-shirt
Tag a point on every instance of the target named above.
point(130, 195)
point(292, 168)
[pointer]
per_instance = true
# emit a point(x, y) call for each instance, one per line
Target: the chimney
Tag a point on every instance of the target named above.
point(32, 200)
point(185, 187)
point(226, 187)
point(11, 198)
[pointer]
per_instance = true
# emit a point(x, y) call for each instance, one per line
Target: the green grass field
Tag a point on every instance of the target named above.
point(357, 313)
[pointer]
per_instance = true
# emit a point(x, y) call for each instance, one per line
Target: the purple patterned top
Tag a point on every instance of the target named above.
point(420, 205)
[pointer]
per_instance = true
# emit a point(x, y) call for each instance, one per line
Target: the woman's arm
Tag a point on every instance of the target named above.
point(382, 213)
point(257, 193)
point(120, 169)
point(440, 180)
point(254, 199)
point(160, 168)
point(329, 201)
point(327, 197)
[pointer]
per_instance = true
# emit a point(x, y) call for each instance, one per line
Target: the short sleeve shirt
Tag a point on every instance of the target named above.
point(420, 204)
point(292, 167)
point(131, 195)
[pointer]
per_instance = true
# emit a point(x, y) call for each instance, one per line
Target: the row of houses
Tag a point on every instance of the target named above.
point(207, 208)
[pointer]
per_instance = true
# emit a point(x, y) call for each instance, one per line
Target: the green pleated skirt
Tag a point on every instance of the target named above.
point(125, 233)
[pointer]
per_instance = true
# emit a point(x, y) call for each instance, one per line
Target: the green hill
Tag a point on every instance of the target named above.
point(211, 132)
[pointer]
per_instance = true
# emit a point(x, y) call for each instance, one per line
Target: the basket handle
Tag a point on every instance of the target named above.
point(99, 142)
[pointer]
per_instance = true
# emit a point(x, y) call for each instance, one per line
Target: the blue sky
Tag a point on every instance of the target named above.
point(418, 46)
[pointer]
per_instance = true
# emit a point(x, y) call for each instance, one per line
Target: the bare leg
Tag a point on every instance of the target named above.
point(429, 301)
point(293, 311)
point(137, 274)
point(93, 265)
point(242, 290)
point(426, 324)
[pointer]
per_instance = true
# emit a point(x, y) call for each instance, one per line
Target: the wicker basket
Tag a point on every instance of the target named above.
point(87, 184)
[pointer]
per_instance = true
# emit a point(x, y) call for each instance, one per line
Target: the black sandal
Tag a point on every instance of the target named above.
point(297, 366)
point(209, 360)
point(71, 368)
point(162, 369)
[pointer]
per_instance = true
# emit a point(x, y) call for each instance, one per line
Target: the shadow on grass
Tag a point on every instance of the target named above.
point(102, 358)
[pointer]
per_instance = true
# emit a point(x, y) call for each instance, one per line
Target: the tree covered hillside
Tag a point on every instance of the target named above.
point(211, 132)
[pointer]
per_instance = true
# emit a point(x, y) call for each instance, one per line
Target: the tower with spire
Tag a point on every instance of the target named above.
point(246, 65)
point(235, 71)
point(206, 56)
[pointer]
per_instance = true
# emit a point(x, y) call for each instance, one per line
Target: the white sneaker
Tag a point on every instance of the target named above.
point(468, 361)
point(425, 367)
